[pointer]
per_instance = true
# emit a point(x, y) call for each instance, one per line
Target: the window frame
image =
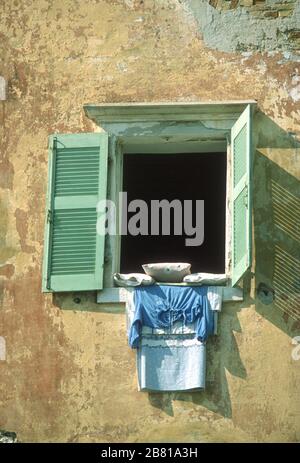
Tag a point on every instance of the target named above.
point(117, 174)
point(132, 127)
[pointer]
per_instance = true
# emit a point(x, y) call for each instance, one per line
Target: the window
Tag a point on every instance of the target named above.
point(183, 177)
point(208, 146)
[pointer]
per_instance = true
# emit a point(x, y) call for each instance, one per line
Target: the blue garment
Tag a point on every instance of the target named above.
point(160, 306)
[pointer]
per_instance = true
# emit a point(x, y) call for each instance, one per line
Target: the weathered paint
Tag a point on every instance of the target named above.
point(68, 373)
point(246, 26)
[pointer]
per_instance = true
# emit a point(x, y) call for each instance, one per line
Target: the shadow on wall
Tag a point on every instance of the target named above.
point(222, 355)
point(276, 206)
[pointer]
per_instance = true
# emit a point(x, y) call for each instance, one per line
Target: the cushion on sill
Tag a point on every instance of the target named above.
point(206, 279)
point(168, 272)
point(132, 279)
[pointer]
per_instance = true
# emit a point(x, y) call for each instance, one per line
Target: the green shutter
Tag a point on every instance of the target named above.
point(74, 251)
point(241, 195)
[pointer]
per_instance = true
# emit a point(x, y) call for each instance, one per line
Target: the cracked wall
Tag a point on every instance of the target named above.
point(68, 374)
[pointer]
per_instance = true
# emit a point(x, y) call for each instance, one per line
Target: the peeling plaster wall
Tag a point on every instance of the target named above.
point(270, 25)
point(67, 373)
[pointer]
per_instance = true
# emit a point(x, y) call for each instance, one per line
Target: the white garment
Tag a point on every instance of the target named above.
point(171, 364)
point(214, 296)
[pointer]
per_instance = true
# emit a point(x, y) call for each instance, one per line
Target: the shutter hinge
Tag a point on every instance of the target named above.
point(48, 283)
point(49, 216)
point(246, 197)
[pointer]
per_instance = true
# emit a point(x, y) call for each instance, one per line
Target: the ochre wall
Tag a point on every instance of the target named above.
point(69, 374)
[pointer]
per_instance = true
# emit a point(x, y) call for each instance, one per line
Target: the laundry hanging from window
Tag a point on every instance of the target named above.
point(169, 327)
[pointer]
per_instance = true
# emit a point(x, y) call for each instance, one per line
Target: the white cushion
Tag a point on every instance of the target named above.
point(132, 279)
point(168, 272)
point(206, 279)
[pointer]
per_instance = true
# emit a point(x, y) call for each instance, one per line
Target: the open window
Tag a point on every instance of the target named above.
point(177, 177)
point(180, 151)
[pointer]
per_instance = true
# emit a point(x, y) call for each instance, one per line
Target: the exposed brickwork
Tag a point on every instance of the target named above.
point(248, 25)
point(259, 8)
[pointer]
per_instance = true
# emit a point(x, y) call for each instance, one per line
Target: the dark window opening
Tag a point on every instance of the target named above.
point(184, 177)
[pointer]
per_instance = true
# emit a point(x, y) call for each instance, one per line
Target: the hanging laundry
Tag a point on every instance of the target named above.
point(168, 362)
point(160, 306)
point(170, 355)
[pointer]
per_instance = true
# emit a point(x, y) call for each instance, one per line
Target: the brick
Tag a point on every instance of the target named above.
point(285, 13)
point(258, 8)
point(271, 14)
point(284, 6)
point(259, 13)
point(294, 34)
point(246, 2)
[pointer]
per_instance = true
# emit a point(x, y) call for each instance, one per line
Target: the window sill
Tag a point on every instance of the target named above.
point(120, 295)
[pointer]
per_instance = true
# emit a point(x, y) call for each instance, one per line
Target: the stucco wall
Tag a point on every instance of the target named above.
point(68, 373)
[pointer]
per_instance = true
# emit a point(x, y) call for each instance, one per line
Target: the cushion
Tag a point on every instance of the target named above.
point(132, 279)
point(168, 272)
point(206, 279)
